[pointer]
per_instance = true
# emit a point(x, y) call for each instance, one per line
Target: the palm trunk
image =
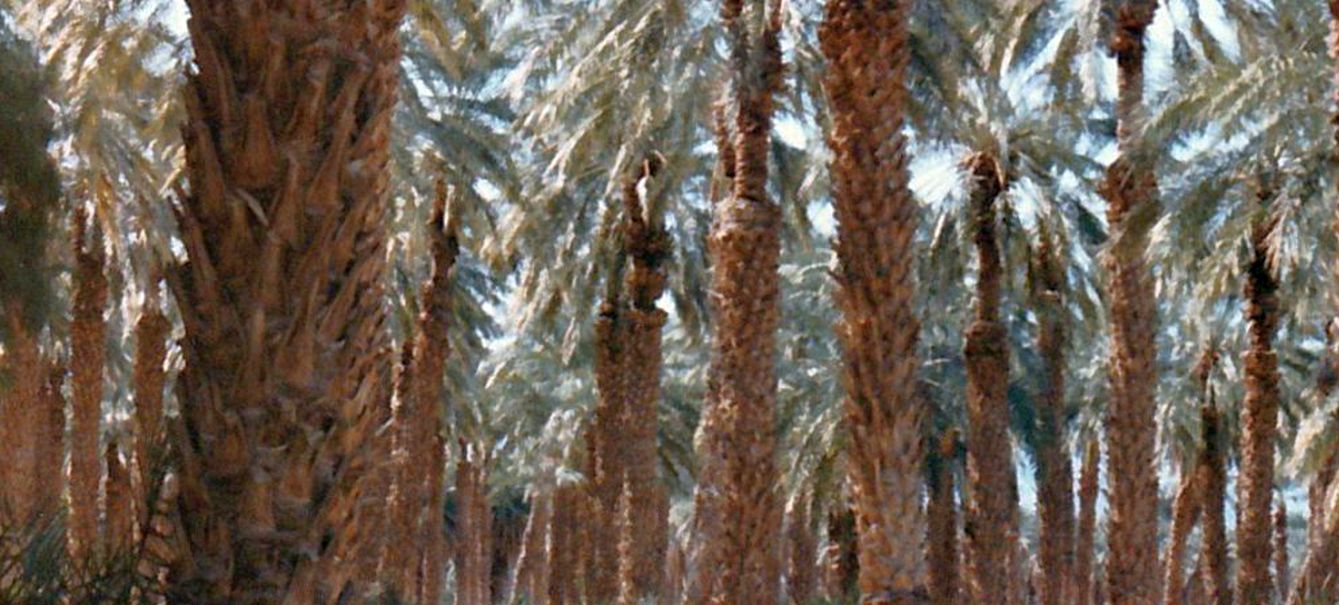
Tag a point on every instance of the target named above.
point(399, 553)
point(992, 517)
point(1281, 575)
point(1055, 474)
point(1213, 481)
point(21, 420)
point(287, 138)
point(739, 554)
point(564, 546)
point(474, 556)
point(648, 247)
point(1085, 536)
point(151, 333)
point(866, 46)
point(801, 552)
point(88, 355)
point(842, 559)
point(1132, 568)
point(50, 450)
point(1185, 512)
point(1315, 523)
point(610, 440)
point(533, 557)
point(943, 556)
point(1260, 420)
point(118, 513)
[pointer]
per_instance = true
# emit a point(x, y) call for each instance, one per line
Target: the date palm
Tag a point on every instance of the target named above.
point(287, 140)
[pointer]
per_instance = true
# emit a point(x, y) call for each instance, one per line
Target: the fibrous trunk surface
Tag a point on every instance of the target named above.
point(943, 550)
point(1132, 570)
point(1085, 534)
point(1055, 469)
point(738, 516)
point(287, 130)
point(88, 355)
point(865, 44)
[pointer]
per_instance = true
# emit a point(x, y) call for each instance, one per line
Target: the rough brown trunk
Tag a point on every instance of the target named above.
point(88, 332)
point(992, 515)
point(564, 546)
point(151, 333)
point(1315, 523)
point(801, 552)
point(1132, 570)
point(841, 558)
point(1213, 481)
point(117, 512)
point(1185, 512)
point(21, 419)
point(1085, 536)
point(866, 47)
point(1281, 575)
point(399, 553)
point(532, 562)
point(1259, 420)
point(610, 440)
point(287, 133)
point(739, 555)
point(1055, 473)
point(474, 556)
point(943, 556)
point(51, 440)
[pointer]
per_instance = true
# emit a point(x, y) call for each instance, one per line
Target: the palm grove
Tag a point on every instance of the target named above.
point(610, 301)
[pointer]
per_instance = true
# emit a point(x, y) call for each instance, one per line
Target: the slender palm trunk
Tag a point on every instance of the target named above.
point(1315, 521)
point(866, 47)
point(992, 517)
point(399, 554)
point(842, 562)
point(1281, 572)
point(1132, 568)
point(648, 248)
point(1185, 512)
point(88, 356)
point(118, 514)
point(50, 449)
point(1055, 473)
point(1085, 536)
point(564, 549)
point(801, 552)
point(287, 139)
point(1260, 420)
point(474, 556)
point(21, 420)
point(151, 333)
point(533, 558)
point(739, 556)
point(943, 551)
point(610, 441)
point(1213, 480)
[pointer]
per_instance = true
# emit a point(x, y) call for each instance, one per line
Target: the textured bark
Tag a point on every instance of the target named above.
point(50, 450)
point(1281, 574)
point(1185, 512)
point(288, 119)
point(1315, 523)
point(943, 551)
point(1055, 473)
point(738, 559)
point(1085, 535)
point(627, 543)
point(151, 333)
point(1212, 467)
point(648, 248)
point(801, 552)
point(610, 437)
point(841, 557)
point(1260, 421)
point(992, 515)
point(474, 556)
point(564, 548)
point(21, 419)
point(118, 514)
point(865, 44)
point(399, 555)
point(532, 562)
point(88, 332)
point(1132, 569)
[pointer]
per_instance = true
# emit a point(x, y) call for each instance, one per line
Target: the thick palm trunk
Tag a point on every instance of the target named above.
point(1055, 474)
point(610, 440)
point(1185, 512)
point(865, 44)
point(648, 248)
point(1212, 468)
point(88, 332)
point(1132, 568)
point(50, 451)
point(738, 559)
point(1260, 420)
point(287, 133)
point(1085, 535)
point(992, 517)
point(801, 552)
point(942, 553)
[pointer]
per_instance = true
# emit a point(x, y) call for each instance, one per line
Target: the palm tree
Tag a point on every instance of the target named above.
point(1130, 191)
point(865, 44)
point(1211, 471)
point(1260, 419)
point(736, 510)
point(87, 360)
point(942, 553)
point(1084, 539)
point(152, 330)
point(1055, 475)
point(287, 141)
